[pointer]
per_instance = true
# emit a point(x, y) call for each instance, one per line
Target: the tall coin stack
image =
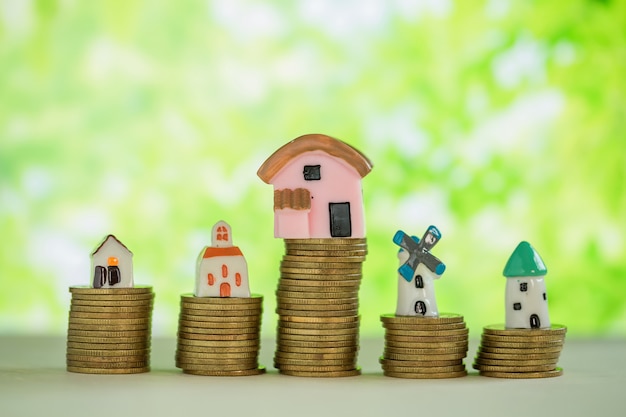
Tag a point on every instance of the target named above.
point(520, 353)
point(317, 306)
point(424, 347)
point(109, 330)
point(219, 336)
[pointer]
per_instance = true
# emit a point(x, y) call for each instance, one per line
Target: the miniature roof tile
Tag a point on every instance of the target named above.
point(211, 251)
point(525, 262)
point(313, 142)
point(105, 240)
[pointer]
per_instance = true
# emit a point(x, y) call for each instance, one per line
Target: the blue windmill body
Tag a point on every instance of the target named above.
point(419, 252)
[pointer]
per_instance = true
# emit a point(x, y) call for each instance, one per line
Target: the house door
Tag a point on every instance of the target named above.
point(340, 223)
point(535, 323)
point(225, 289)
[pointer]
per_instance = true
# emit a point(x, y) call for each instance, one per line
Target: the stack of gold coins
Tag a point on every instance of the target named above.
point(109, 330)
point(419, 347)
point(520, 353)
point(317, 306)
point(219, 336)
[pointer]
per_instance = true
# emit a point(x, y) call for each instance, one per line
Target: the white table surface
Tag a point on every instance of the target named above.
point(34, 382)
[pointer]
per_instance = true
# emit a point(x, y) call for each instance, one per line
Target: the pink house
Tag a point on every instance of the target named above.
point(317, 188)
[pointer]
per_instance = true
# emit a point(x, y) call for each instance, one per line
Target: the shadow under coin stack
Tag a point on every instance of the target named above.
point(520, 353)
point(219, 336)
point(317, 306)
point(109, 330)
point(424, 347)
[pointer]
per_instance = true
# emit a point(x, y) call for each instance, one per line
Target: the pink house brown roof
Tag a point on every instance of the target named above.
point(313, 142)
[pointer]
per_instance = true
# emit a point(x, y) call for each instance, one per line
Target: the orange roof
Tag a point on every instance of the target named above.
point(313, 142)
point(105, 240)
point(212, 252)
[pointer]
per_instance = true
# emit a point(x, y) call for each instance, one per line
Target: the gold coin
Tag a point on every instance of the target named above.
point(319, 338)
point(500, 329)
point(302, 300)
point(213, 331)
point(520, 351)
point(313, 313)
point(104, 327)
point(310, 374)
point(300, 265)
point(109, 340)
point(418, 375)
point(522, 339)
point(443, 318)
point(258, 371)
point(221, 363)
point(503, 356)
point(536, 368)
point(318, 354)
point(113, 297)
point(219, 349)
point(425, 345)
point(425, 370)
point(324, 259)
point(335, 291)
point(426, 339)
point(325, 320)
point(318, 326)
point(462, 333)
point(254, 299)
point(328, 253)
point(96, 304)
point(433, 351)
point(219, 343)
point(290, 344)
point(145, 321)
point(88, 370)
point(111, 310)
point(218, 368)
point(218, 319)
point(217, 356)
point(143, 344)
point(521, 362)
point(321, 271)
point(108, 365)
point(521, 345)
point(318, 307)
point(110, 353)
point(523, 375)
point(318, 368)
point(219, 313)
point(325, 241)
point(108, 333)
point(318, 332)
point(424, 357)
point(317, 295)
point(137, 289)
point(142, 314)
point(299, 277)
point(223, 337)
point(235, 325)
point(447, 326)
point(419, 364)
point(291, 248)
point(96, 360)
point(315, 362)
point(210, 308)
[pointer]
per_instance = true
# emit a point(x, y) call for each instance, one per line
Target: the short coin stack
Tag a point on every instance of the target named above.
point(419, 347)
point(317, 306)
point(520, 353)
point(109, 330)
point(219, 336)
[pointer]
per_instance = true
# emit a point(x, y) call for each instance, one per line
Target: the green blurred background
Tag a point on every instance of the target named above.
point(498, 121)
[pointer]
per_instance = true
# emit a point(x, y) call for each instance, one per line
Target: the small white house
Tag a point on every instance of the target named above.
point(525, 299)
point(416, 297)
point(112, 264)
point(221, 270)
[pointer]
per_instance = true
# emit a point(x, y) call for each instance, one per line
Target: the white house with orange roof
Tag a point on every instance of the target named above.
point(221, 270)
point(112, 264)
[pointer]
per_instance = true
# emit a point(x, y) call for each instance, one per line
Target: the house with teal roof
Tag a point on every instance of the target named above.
point(526, 300)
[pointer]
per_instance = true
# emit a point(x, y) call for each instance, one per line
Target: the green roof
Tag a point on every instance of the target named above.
point(525, 262)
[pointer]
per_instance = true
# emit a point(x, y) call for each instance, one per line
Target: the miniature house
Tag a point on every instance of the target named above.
point(526, 301)
point(317, 188)
point(221, 270)
point(112, 264)
point(416, 274)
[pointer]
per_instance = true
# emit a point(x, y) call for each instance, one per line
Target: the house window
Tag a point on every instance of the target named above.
point(420, 307)
point(517, 306)
point(419, 282)
point(523, 286)
point(544, 296)
point(312, 173)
